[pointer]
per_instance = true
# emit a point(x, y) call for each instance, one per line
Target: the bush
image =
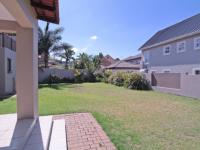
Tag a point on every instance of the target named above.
point(104, 76)
point(84, 76)
point(117, 78)
point(68, 80)
point(53, 79)
point(136, 81)
point(127, 79)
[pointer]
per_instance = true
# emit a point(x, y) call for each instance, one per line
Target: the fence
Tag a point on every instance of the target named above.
point(180, 84)
point(61, 73)
point(169, 80)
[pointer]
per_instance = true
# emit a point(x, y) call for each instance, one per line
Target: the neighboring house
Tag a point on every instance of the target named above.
point(174, 49)
point(107, 61)
point(123, 66)
point(136, 60)
point(8, 64)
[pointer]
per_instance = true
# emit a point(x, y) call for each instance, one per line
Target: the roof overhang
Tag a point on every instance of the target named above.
point(47, 10)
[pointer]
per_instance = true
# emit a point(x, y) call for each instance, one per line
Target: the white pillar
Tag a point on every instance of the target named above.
point(27, 72)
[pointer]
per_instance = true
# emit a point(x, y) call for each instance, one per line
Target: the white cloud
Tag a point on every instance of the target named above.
point(94, 37)
point(75, 49)
point(80, 50)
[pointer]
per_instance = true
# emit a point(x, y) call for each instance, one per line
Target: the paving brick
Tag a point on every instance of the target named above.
point(84, 133)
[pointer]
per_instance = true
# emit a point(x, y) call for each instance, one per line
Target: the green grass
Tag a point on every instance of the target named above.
point(134, 120)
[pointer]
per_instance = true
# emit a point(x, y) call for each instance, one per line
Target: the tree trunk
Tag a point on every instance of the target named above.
point(66, 64)
point(46, 60)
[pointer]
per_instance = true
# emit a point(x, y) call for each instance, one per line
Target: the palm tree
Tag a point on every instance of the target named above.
point(66, 52)
point(84, 61)
point(49, 40)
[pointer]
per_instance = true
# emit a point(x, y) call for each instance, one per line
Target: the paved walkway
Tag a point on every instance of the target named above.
point(84, 133)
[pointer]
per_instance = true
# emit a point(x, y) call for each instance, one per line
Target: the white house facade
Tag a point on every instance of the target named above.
point(8, 64)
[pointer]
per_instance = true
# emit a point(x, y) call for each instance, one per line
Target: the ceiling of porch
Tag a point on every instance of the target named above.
point(4, 14)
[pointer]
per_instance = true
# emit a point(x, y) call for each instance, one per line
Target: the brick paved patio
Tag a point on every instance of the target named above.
point(84, 133)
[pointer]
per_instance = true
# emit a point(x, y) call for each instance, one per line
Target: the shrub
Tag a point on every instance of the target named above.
point(84, 76)
point(52, 79)
point(117, 78)
point(68, 80)
point(136, 81)
point(105, 75)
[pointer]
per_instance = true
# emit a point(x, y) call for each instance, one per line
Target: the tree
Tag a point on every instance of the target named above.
point(83, 61)
point(65, 51)
point(97, 61)
point(89, 62)
point(49, 40)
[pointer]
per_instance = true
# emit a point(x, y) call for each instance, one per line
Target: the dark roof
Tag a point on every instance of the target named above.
point(123, 65)
point(182, 28)
point(138, 56)
point(107, 60)
point(47, 10)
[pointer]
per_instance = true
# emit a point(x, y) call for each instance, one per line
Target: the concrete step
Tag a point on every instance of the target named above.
point(58, 136)
point(14, 133)
point(40, 136)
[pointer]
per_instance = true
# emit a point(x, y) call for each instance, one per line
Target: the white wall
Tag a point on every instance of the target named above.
point(2, 72)
point(10, 77)
point(61, 73)
point(183, 69)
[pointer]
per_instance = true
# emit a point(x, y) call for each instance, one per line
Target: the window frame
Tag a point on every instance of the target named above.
point(178, 44)
point(195, 41)
point(164, 48)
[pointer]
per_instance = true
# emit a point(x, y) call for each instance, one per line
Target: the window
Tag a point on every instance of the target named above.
point(196, 71)
point(181, 47)
point(197, 43)
point(146, 57)
point(166, 50)
point(9, 65)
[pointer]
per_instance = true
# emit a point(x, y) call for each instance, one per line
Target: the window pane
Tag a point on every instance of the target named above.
point(197, 72)
point(9, 65)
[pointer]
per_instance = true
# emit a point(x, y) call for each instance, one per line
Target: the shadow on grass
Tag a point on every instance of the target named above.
point(59, 86)
point(6, 97)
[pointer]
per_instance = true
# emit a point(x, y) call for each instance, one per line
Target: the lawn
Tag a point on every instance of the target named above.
point(136, 120)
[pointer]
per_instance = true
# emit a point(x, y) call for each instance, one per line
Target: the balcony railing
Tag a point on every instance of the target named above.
point(7, 41)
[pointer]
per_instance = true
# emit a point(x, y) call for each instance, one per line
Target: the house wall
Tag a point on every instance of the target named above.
point(10, 77)
point(156, 60)
point(134, 61)
point(2, 72)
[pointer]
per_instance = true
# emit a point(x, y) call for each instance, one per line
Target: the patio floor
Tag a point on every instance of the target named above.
point(82, 130)
point(84, 133)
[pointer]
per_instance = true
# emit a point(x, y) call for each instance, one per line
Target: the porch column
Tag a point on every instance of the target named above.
point(27, 72)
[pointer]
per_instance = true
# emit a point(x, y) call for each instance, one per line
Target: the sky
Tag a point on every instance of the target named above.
point(118, 27)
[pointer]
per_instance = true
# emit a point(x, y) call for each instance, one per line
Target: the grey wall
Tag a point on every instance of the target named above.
point(169, 80)
point(189, 85)
point(189, 57)
point(10, 77)
point(7, 80)
point(2, 72)
point(134, 61)
point(61, 73)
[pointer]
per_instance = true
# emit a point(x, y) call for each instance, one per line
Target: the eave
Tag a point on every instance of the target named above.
point(46, 10)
